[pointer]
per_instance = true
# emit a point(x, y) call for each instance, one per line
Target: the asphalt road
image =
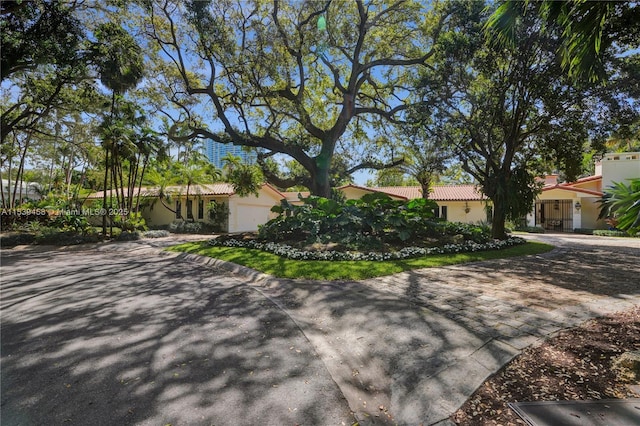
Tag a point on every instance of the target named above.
point(126, 334)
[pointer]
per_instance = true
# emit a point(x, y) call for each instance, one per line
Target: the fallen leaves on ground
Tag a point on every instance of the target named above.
point(576, 364)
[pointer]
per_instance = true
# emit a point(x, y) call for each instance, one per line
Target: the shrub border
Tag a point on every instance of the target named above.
point(293, 253)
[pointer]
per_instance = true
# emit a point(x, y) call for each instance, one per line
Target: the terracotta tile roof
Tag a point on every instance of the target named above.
point(583, 180)
point(573, 189)
point(221, 188)
point(550, 184)
point(366, 188)
point(438, 192)
point(408, 192)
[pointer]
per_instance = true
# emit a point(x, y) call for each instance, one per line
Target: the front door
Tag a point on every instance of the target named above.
point(555, 215)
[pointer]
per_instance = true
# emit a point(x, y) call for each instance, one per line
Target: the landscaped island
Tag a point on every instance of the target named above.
point(357, 239)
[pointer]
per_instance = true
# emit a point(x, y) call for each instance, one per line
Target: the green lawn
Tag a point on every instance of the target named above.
point(347, 270)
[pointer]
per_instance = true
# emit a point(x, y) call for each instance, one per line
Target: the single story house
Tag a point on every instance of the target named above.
point(244, 213)
point(456, 203)
point(559, 207)
point(573, 205)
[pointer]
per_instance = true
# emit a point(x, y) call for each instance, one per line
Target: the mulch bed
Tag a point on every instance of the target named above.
point(576, 364)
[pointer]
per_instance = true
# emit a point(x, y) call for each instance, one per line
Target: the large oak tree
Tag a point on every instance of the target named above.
point(310, 80)
point(511, 111)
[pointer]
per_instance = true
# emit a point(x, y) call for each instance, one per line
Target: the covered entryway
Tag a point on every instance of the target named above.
point(555, 215)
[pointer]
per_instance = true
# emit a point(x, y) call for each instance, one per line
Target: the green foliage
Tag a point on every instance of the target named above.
point(531, 229)
point(38, 32)
point(369, 221)
point(71, 222)
point(622, 202)
point(184, 227)
point(583, 231)
point(218, 213)
point(246, 179)
point(347, 270)
point(131, 222)
point(118, 57)
point(610, 233)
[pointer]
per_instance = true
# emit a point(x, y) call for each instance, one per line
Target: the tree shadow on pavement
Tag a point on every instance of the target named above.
point(152, 341)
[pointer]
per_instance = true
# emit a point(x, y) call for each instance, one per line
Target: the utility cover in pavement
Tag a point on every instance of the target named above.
point(612, 412)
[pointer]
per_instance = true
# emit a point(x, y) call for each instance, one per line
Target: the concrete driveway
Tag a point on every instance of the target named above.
point(126, 334)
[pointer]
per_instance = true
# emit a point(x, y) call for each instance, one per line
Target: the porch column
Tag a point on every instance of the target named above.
point(577, 214)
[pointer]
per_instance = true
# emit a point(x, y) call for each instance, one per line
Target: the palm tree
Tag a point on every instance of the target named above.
point(194, 173)
point(622, 202)
point(120, 64)
point(586, 29)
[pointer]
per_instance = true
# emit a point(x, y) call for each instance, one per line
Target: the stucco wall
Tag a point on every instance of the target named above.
point(247, 213)
point(589, 211)
point(158, 215)
point(456, 211)
point(619, 167)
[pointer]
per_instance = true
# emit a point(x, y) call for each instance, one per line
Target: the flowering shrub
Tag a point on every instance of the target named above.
point(289, 252)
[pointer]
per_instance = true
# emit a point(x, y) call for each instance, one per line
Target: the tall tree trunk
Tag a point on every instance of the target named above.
point(4, 205)
point(321, 184)
point(19, 179)
point(11, 200)
point(499, 217)
point(144, 169)
point(425, 186)
point(189, 213)
point(104, 196)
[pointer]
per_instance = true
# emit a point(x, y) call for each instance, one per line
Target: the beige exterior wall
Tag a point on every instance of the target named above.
point(590, 211)
point(158, 215)
point(247, 213)
point(592, 186)
point(619, 167)
point(586, 217)
point(456, 211)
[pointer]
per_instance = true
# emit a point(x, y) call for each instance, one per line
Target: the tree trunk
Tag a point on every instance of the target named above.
point(104, 188)
point(321, 184)
point(499, 217)
point(19, 178)
point(425, 185)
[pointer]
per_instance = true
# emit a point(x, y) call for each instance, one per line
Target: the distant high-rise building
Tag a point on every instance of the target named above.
point(215, 152)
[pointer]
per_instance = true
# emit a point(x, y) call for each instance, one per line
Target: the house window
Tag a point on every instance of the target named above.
point(436, 212)
point(200, 209)
point(178, 209)
point(190, 209)
point(489, 210)
point(443, 212)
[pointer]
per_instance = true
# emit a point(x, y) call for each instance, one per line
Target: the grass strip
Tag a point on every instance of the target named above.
point(346, 270)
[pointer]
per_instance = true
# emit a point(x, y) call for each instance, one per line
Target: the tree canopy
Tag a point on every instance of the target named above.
point(303, 79)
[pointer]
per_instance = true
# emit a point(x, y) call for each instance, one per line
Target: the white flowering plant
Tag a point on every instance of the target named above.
point(293, 253)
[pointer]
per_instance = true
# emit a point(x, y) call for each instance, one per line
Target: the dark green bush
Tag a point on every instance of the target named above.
point(584, 231)
point(156, 233)
point(16, 240)
point(531, 229)
point(64, 238)
point(610, 233)
point(184, 227)
point(72, 222)
point(369, 221)
point(128, 236)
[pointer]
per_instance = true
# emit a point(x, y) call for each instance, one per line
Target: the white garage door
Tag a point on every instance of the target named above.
point(250, 216)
